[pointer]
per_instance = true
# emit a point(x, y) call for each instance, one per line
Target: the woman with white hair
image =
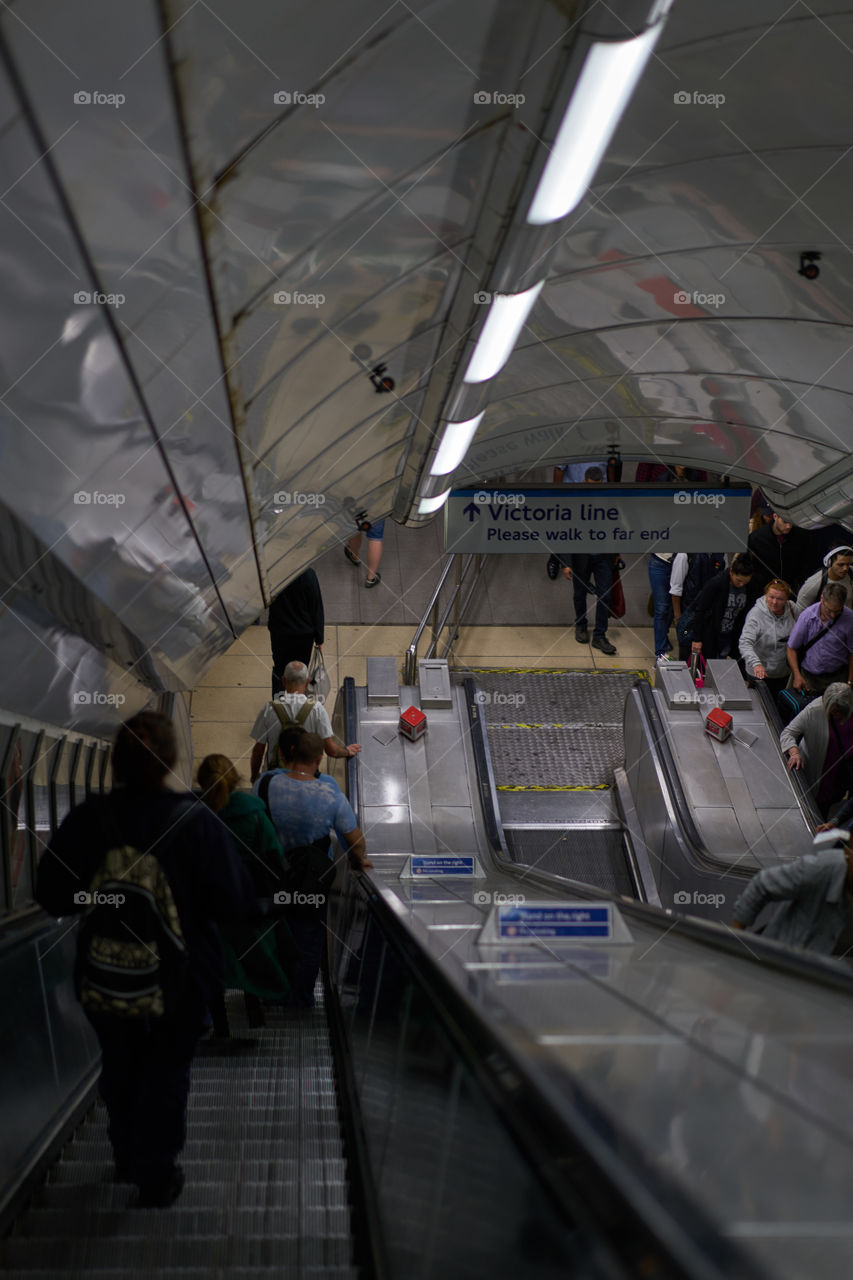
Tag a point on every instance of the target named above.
point(820, 742)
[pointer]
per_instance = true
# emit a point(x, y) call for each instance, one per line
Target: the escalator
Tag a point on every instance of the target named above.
point(555, 745)
point(266, 1178)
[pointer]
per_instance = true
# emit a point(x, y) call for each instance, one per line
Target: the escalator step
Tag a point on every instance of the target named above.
point(171, 1251)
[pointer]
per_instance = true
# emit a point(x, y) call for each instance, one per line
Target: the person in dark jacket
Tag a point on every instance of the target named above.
point(145, 1073)
point(254, 953)
point(780, 550)
point(296, 624)
point(720, 610)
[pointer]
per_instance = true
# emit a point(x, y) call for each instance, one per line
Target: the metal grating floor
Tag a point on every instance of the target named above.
point(266, 1189)
point(560, 729)
point(593, 855)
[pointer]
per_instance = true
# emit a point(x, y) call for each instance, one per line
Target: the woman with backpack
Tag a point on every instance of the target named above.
point(254, 955)
point(152, 871)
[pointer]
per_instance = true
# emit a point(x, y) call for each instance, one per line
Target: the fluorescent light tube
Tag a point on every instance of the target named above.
point(454, 445)
point(606, 82)
point(428, 505)
point(507, 313)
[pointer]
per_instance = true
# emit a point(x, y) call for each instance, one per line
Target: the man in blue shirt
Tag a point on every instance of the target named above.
point(304, 808)
point(829, 658)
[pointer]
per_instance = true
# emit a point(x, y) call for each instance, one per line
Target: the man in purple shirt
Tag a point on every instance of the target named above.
point(818, 662)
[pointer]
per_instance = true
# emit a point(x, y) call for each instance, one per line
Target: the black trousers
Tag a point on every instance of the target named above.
point(288, 647)
point(145, 1082)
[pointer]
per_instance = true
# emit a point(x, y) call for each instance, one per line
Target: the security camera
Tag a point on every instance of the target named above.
point(808, 265)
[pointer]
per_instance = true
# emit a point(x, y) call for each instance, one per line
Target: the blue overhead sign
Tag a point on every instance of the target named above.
point(595, 518)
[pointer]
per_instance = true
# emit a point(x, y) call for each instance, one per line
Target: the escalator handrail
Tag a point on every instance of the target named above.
point(572, 1150)
point(763, 951)
point(580, 1156)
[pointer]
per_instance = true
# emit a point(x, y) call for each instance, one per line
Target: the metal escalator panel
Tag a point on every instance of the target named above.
point(554, 730)
point(266, 1179)
point(593, 855)
point(555, 739)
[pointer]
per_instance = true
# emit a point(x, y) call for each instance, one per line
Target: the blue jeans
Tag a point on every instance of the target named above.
point(659, 571)
point(585, 571)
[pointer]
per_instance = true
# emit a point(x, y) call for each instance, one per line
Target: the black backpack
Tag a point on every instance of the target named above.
point(131, 954)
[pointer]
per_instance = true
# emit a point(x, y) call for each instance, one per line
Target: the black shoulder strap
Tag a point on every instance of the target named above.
point(827, 626)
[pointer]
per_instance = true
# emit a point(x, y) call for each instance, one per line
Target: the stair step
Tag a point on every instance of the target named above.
point(89, 1220)
point(213, 1252)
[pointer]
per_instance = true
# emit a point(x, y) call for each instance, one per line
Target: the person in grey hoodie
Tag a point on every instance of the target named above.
point(812, 898)
point(817, 741)
point(764, 639)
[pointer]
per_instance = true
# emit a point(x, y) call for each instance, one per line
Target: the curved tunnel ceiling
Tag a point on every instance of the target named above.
point(675, 322)
point(297, 203)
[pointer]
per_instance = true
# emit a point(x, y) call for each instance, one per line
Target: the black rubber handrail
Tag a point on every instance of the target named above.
point(749, 947)
point(586, 1165)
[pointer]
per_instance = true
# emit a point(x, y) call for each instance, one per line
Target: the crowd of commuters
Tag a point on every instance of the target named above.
point(220, 889)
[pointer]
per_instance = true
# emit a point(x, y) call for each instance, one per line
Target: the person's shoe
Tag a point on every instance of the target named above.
point(603, 644)
point(553, 567)
point(160, 1195)
point(351, 556)
point(256, 1018)
point(373, 582)
point(582, 634)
